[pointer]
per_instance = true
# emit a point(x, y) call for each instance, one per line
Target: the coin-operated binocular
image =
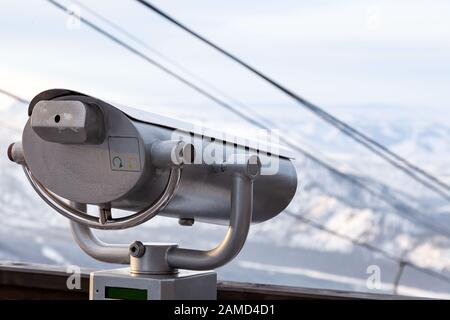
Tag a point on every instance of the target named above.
point(77, 150)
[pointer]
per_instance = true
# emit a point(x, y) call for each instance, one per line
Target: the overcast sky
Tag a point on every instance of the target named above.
point(393, 54)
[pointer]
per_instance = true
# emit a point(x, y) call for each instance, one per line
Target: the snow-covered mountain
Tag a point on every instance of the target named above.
point(396, 216)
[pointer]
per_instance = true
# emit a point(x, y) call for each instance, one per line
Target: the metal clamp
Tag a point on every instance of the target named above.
point(106, 221)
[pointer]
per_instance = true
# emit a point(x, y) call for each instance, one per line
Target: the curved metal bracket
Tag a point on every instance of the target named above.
point(129, 221)
point(97, 249)
point(180, 258)
point(231, 245)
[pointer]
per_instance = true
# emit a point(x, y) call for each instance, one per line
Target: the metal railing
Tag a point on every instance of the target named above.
point(32, 281)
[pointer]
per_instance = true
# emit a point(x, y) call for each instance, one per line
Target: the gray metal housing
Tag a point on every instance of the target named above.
point(86, 172)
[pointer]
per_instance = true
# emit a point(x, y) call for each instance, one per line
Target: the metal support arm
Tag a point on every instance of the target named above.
point(240, 219)
point(180, 258)
point(94, 247)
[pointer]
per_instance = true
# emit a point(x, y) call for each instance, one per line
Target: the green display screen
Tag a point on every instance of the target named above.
point(125, 293)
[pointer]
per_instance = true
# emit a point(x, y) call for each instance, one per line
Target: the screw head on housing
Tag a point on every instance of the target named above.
point(137, 249)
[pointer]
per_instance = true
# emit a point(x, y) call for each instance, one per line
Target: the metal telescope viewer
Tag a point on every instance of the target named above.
point(77, 150)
